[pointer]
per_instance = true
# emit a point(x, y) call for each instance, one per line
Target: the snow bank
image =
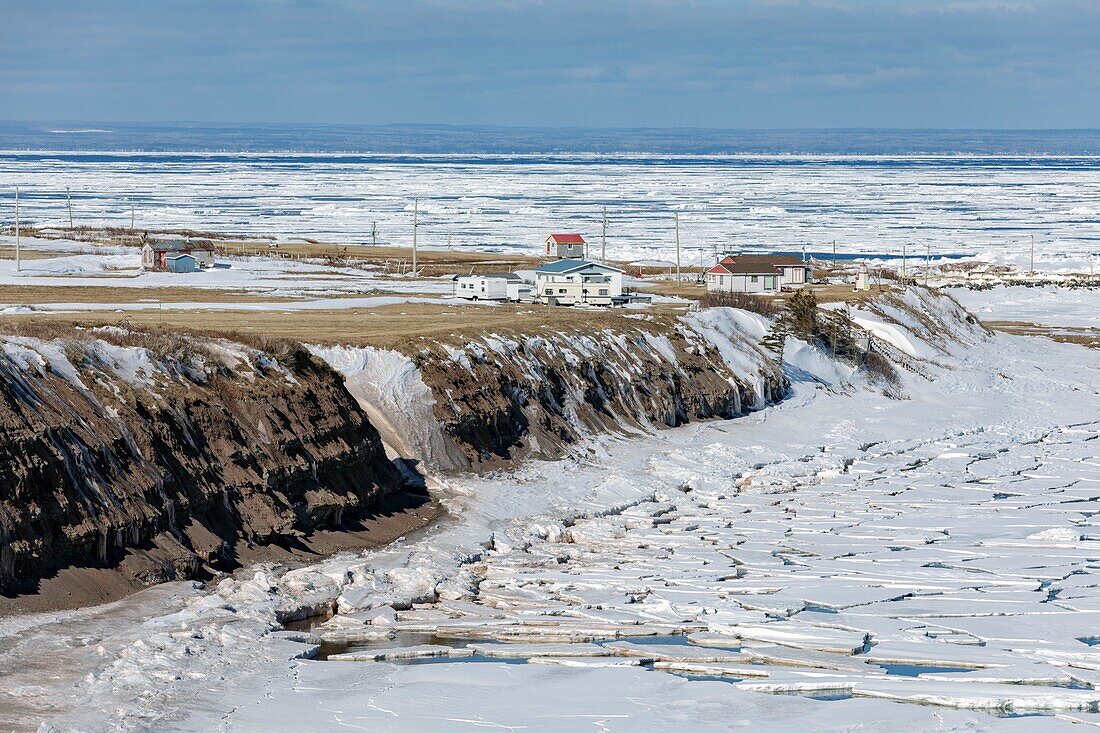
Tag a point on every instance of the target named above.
point(389, 388)
point(736, 334)
point(1048, 305)
point(813, 361)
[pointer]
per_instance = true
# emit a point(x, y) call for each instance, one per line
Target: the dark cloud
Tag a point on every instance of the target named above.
point(754, 63)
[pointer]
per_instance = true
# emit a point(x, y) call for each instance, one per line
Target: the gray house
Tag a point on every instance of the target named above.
point(565, 246)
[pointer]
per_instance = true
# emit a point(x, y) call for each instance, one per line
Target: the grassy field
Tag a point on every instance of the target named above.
point(33, 294)
point(403, 326)
point(391, 259)
point(8, 253)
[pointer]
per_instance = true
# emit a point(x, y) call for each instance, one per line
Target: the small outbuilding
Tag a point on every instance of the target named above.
point(574, 281)
point(154, 255)
point(181, 263)
point(491, 287)
point(565, 246)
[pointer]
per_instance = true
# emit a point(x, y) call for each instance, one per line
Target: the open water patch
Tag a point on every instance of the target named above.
point(916, 670)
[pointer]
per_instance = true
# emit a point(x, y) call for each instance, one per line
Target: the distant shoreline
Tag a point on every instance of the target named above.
point(481, 140)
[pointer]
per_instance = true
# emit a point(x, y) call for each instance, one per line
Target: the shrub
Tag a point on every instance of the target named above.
point(879, 366)
point(745, 301)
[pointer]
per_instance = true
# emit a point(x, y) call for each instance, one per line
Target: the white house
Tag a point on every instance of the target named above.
point(758, 274)
point(567, 282)
point(491, 287)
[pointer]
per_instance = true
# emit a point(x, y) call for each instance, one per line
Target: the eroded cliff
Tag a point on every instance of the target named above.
point(166, 454)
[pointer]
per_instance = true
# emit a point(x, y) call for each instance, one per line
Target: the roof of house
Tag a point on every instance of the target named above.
point(774, 260)
point(494, 275)
point(178, 245)
point(755, 264)
point(560, 267)
point(179, 256)
point(567, 238)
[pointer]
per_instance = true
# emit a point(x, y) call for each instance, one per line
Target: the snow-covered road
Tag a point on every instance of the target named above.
point(866, 551)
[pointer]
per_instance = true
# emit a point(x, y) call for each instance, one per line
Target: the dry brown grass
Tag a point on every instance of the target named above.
point(32, 294)
point(843, 293)
point(760, 304)
point(7, 252)
point(831, 293)
point(684, 289)
point(1089, 337)
point(405, 326)
point(393, 259)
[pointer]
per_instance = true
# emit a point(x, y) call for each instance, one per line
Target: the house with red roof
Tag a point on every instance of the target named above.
point(758, 274)
point(565, 246)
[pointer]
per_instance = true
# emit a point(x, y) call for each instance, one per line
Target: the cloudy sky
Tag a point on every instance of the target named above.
point(668, 63)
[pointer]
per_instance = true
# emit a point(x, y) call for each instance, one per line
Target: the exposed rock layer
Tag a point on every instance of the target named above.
point(504, 398)
point(162, 461)
point(108, 451)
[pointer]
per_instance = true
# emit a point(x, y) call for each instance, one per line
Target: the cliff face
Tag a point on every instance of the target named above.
point(503, 398)
point(177, 457)
point(164, 456)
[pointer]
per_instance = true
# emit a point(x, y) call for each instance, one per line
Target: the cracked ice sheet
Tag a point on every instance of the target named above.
point(536, 698)
point(614, 530)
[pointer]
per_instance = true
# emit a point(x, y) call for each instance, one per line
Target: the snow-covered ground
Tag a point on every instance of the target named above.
point(987, 206)
point(1046, 306)
point(916, 564)
point(316, 284)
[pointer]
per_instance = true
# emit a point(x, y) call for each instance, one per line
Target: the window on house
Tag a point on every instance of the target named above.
point(561, 291)
point(754, 278)
point(603, 291)
point(549, 291)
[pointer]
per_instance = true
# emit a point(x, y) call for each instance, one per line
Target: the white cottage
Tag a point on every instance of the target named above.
point(568, 282)
point(758, 274)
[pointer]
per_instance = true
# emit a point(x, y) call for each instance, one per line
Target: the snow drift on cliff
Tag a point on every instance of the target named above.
point(389, 388)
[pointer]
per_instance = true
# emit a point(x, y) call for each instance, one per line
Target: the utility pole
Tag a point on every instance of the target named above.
point(17, 260)
point(904, 246)
point(374, 233)
point(416, 205)
point(677, 248)
point(603, 237)
point(131, 216)
point(834, 254)
point(1032, 254)
point(927, 262)
point(69, 200)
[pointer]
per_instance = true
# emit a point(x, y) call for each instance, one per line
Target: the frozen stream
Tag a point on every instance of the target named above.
point(918, 564)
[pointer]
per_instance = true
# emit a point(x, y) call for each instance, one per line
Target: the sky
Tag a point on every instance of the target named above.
point(591, 63)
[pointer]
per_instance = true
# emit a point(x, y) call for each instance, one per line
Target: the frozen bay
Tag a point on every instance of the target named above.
point(987, 206)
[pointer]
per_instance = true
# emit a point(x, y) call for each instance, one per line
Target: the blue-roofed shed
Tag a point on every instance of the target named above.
point(181, 263)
